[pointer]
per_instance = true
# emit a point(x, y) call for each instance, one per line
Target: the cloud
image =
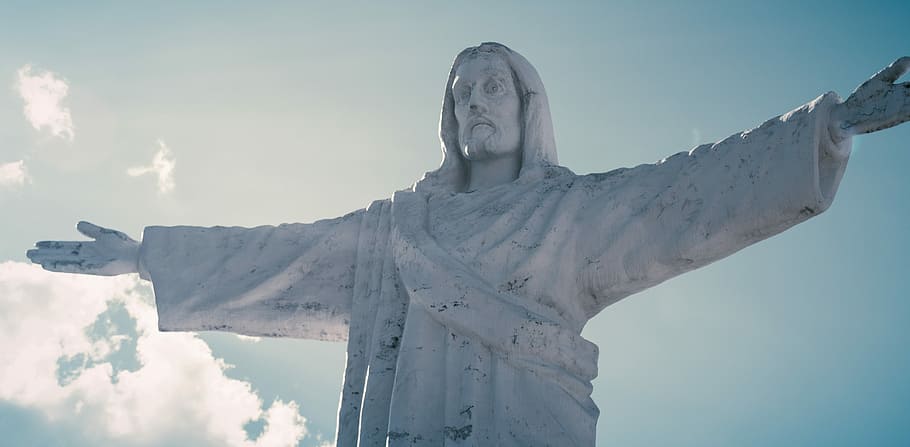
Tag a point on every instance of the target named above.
point(696, 137)
point(248, 338)
point(86, 354)
point(13, 174)
point(43, 93)
point(163, 164)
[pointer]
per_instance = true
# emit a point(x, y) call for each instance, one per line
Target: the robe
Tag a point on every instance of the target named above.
point(463, 311)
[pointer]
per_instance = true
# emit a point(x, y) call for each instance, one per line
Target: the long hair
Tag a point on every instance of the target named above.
point(538, 145)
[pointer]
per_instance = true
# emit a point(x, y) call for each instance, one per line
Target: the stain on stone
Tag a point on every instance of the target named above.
point(398, 435)
point(307, 307)
point(515, 284)
point(439, 308)
point(403, 435)
point(458, 434)
point(392, 343)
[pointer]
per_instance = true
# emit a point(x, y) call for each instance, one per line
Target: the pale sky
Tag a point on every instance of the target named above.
point(240, 114)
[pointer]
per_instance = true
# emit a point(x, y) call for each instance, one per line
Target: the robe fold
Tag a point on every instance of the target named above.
point(463, 311)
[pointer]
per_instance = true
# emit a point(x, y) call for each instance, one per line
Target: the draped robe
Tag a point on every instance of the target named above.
point(463, 311)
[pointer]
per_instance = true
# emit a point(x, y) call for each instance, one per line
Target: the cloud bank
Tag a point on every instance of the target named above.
point(85, 353)
point(13, 174)
point(163, 164)
point(43, 93)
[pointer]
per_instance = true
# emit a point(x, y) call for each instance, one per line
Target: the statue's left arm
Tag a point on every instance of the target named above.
point(641, 226)
point(294, 280)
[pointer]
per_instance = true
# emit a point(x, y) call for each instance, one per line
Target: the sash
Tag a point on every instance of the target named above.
point(523, 332)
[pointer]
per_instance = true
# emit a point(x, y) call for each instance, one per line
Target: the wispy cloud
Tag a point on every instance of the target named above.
point(13, 174)
point(163, 164)
point(85, 353)
point(248, 338)
point(43, 93)
point(696, 137)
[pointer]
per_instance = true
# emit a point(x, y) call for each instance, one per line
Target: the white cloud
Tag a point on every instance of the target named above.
point(176, 391)
point(13, 174)
point(248, 338)
point(43, 93)
point(163, 164)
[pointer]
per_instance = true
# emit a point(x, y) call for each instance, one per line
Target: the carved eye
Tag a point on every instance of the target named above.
point(493, 88)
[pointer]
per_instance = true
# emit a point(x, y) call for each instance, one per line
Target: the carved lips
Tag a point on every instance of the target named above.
point(480, 128)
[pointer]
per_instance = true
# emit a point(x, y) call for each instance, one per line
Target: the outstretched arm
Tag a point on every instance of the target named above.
point(291, 280)
point(110, 253)
point(639, 227)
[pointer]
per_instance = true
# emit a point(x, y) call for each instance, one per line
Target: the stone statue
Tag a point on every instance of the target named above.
point(462, 298)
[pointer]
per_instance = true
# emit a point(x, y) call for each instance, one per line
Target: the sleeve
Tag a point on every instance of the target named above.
point(291, 280)
point(641, 226)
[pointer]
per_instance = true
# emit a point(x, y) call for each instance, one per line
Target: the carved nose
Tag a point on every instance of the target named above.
point(476, 104)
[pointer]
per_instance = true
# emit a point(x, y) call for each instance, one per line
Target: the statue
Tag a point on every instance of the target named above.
point(462, 298)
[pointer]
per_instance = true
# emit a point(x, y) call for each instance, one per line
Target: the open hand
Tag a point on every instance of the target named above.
point(877, 104)
point(110, 253)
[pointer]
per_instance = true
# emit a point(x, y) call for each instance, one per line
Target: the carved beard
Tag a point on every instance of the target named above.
point(479, 142)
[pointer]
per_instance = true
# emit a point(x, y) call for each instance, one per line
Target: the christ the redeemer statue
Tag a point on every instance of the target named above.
point(462, 298)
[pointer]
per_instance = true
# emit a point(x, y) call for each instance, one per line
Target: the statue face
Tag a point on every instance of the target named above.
point(487, 108)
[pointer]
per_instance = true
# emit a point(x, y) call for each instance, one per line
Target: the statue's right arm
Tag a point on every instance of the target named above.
point(641, 226)
point(638, 227)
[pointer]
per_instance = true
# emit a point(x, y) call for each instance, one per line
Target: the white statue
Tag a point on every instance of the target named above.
point(463, 298)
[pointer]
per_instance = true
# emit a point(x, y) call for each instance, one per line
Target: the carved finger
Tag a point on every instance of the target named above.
point(42, 256)
point(34, 255)
point(894, 71)
point(67, 261)
point(100, 233)
point(67, 246)
point(899, 105)
point(889, 110)
point(89, 229)
point(69, 265)
point(55, 260)
point(904, 89)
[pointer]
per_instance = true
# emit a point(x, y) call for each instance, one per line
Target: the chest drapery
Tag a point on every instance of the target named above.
point(477, 362)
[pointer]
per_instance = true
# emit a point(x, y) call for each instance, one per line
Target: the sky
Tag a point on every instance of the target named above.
point(235, 113)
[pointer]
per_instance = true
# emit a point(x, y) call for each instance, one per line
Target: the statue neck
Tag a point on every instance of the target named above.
point(489, 173)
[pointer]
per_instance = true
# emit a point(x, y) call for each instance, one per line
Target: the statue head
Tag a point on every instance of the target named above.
point(487, 108)
point(501, 107)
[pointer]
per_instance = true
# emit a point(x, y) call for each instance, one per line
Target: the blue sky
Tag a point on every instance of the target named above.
point(297, 111)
